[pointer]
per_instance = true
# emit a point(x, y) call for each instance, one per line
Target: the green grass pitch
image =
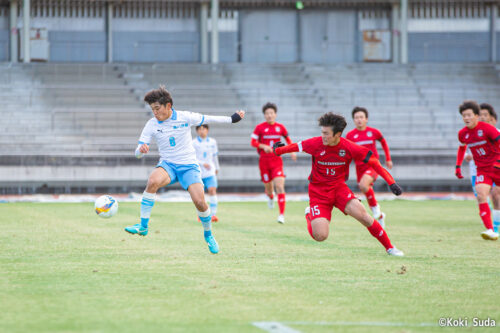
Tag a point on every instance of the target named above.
point(63, 269)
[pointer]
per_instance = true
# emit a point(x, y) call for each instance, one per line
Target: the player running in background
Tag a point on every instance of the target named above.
point(367, 137)
point(488, 115)
point(331, 156)
point(207, 155)
point(270, 165)
point(483, 140)
point(172, 131)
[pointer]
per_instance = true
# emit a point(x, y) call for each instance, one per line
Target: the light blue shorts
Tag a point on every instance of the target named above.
point(185, 174)
point(210, 182)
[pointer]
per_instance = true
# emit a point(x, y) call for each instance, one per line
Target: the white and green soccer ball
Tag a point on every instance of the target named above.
point(106, 206)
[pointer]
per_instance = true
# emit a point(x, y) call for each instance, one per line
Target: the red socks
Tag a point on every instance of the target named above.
point(379, 233)
point(370, 197)
point(281, 203)
point(309, 226)
point(485, 213)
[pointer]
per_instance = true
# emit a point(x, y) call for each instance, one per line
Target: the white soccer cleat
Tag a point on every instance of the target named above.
point(489, 235)
point(395, 252)
point(381, 220)
point(281, 218)
point(270, 203)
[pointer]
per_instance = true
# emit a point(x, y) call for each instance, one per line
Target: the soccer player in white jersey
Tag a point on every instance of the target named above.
point(207, 155)
point(172, 131)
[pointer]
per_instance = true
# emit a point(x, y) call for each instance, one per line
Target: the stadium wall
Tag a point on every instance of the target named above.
point(170, 32)
point(77, 46)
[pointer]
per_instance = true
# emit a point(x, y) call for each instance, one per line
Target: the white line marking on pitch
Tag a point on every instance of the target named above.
point(274, 327)
point(280, 327)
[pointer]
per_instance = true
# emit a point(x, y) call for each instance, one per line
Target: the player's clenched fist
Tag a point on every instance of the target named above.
point(237, 116)
point(144, 148)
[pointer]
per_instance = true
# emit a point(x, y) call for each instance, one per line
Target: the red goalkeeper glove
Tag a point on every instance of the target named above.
point(458, 172)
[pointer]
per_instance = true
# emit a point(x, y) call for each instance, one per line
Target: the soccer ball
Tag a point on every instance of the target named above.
point(106, 206)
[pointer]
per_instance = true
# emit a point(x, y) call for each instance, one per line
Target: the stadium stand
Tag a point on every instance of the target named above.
point(88, 117)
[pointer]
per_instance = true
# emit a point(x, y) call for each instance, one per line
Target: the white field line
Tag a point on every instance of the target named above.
point(281, 327)
point(274, 327)
point(183, 196)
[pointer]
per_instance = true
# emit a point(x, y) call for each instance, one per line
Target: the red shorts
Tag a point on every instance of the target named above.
point(270, 168)
point(323, 198)
point(365, 169)
point(488, 176)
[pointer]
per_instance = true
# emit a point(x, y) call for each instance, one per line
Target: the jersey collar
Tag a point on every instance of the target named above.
point(172, 117)
point(201, 140)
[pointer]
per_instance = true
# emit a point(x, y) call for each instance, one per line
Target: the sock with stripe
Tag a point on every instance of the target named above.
point(496, 219)
point(281, 203)
point(379, 233)
point(212, 200)
point(206, 221)
point(485, 213)
point(147, 203)
point(309, 226)
point(370, 197)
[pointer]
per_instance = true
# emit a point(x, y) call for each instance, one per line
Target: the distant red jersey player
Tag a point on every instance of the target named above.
point(271, 166)
point(331, 156)
point(367, 137)
point(483, 140)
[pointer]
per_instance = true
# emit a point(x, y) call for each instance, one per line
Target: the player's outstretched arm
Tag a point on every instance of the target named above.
point(375, 164)
point(279, 148)
point(460, 159)
point(234, 118)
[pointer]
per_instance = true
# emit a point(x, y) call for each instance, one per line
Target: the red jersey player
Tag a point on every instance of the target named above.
point(483, 140)
point(367, 137)
point(270, 165)
point(331, 156)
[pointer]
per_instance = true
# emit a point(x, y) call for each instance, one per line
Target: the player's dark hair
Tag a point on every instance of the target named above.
point(491, 110)
point(160, 95)
point(335, 121)
point(359, 109)
point(204, 125)
point(469, 105)
point(269, 105)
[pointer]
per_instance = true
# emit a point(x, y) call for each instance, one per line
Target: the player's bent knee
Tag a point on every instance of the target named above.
point(320, 229)
point(364, 188)
point(320, 236)
point(201, 205)
point(153, 185)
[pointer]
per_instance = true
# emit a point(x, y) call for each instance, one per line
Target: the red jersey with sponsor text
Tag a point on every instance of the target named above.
point(268, 135)
point(367, 138)
point(330, 164)
point(482, 141)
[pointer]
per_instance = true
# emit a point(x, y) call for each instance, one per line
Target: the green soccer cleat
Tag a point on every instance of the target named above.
point(137, 229)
